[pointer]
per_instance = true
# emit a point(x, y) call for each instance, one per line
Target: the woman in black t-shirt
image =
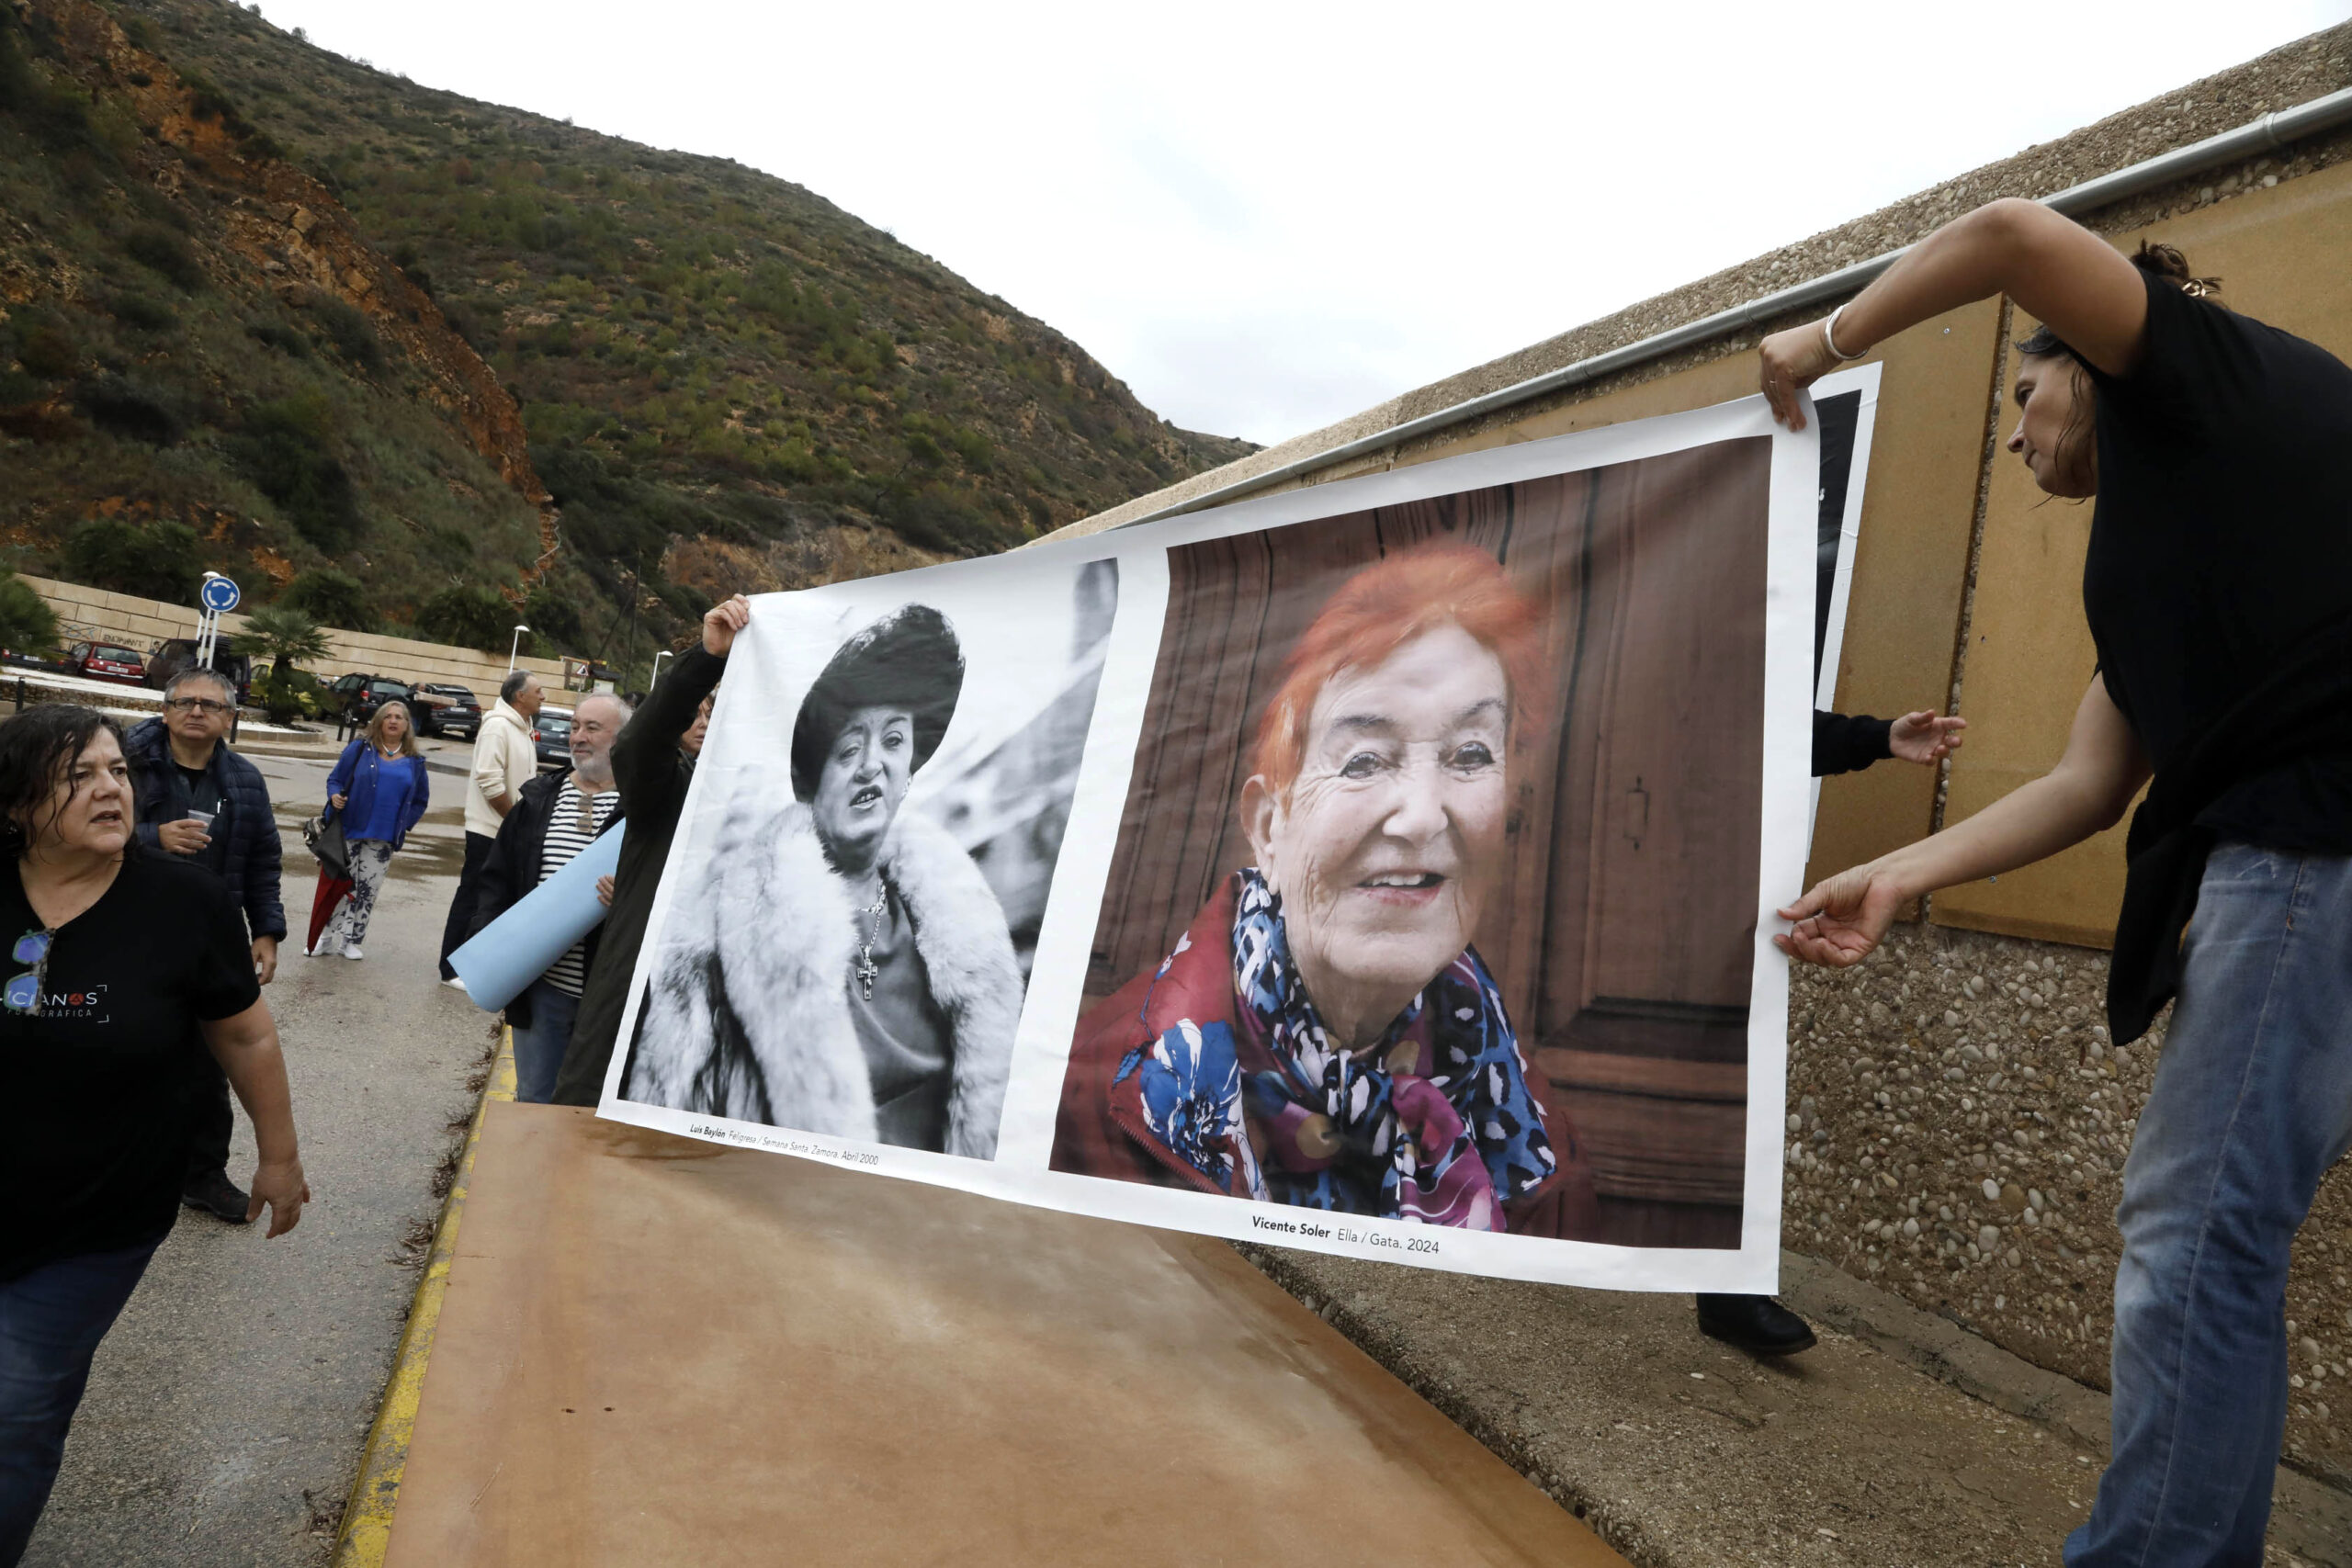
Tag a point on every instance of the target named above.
point(128, 968)
point(2219, 592)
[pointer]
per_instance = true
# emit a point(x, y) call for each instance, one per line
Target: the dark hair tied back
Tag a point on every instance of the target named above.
point(2163, 261)
point(2154, 259)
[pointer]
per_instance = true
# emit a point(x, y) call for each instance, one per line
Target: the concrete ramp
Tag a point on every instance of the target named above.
point(654, 1352)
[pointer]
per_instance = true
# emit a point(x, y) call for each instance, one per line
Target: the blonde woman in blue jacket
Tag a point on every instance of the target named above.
point(378, 790)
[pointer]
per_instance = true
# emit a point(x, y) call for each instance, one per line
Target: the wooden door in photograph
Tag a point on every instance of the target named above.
point(1643, 1020)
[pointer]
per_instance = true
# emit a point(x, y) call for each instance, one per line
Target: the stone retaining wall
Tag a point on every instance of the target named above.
point(140, 624)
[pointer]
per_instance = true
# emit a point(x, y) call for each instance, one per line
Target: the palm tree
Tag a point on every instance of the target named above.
point(280, 632)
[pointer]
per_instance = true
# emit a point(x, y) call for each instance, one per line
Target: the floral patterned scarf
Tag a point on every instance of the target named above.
point(1435, 1122)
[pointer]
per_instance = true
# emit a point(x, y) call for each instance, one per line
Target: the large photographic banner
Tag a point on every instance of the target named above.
point(1383, 867)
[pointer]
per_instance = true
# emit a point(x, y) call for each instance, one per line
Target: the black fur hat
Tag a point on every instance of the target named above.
point(909, 658)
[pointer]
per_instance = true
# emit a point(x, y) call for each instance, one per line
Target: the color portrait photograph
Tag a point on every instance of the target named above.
point(1435, 891)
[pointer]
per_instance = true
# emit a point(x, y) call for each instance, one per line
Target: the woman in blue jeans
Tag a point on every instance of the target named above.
point(100, 1024)
point(2218, 588)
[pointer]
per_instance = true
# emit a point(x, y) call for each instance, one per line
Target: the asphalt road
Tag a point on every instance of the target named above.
point(228, 1407)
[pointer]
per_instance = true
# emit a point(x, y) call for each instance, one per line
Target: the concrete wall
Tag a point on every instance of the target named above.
point(139, 623)
point(1970, 1049)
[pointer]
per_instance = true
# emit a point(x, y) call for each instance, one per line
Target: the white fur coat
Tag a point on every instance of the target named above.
point(749, 1011)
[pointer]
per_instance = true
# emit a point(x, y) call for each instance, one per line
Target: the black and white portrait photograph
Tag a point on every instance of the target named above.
point(856, 899)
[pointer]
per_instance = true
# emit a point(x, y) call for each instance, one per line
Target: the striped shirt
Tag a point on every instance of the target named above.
point(566, 838)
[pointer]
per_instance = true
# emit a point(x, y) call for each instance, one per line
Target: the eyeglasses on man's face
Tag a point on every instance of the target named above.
point(196, 705)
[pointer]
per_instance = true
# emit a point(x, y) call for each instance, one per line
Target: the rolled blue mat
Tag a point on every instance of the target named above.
point(515, 949)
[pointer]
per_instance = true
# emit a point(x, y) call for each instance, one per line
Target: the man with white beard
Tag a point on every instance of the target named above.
point(558, 814)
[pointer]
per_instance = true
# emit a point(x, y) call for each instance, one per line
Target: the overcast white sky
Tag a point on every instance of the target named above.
point(1266, 217)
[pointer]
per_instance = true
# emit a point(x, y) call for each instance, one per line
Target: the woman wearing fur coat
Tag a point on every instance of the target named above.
point(849, 971)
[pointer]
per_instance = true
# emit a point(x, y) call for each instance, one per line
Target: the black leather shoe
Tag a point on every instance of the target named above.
point(217, 1195)
point(1757, 1324)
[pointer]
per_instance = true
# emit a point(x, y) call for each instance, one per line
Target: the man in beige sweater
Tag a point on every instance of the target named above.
point(505, 761)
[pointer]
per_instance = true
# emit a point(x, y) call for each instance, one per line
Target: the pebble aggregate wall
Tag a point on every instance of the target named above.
point(1957, 1127)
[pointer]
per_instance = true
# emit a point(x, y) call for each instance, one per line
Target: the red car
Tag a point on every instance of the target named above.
point(106, 661)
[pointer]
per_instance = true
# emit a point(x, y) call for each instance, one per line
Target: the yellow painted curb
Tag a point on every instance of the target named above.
point(368, 1513)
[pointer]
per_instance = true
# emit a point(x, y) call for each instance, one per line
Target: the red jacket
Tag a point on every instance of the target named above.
point(1197, 985)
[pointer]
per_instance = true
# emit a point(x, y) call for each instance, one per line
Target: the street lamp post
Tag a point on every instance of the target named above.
point(512, 652)
point(658, 656)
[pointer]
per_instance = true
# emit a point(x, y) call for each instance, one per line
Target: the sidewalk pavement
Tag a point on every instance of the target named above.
point(1900, 1439)
point(655, 1352)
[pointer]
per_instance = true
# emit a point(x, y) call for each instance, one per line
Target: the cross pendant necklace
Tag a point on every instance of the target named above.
point(867, 973)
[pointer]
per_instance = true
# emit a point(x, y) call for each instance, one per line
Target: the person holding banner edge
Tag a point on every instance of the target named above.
point(1842, 743)
point(2218, 588)
point(653, 763)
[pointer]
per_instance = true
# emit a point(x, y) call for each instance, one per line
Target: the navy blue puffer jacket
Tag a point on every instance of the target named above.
point(255, 855)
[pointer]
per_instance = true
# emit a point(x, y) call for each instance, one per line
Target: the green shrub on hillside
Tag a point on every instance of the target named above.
point(553, 617)
point(155, 560)
point(279, 336)
point(138, 310)
point(332, 598)
point(53, 112)
point(45, 345)
point(27, 623)
point(467, 616)
point(349, 329)
point(166, 253)
point(939, 514)
point(120, 406)
point(288, 451)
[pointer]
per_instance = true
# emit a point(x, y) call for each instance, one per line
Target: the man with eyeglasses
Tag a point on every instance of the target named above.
point(199, 800)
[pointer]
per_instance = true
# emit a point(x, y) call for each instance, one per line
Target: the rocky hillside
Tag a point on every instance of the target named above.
point(352, 331)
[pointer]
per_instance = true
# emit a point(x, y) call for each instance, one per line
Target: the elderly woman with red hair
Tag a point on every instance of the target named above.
point(1324, 1033)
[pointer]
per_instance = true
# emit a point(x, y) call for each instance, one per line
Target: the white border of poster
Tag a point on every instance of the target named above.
point(1864, 378)
point(1018, 1172)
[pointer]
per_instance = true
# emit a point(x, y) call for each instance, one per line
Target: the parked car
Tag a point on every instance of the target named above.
point(53, 662)
point(176, 654)
point(106, 661)
point(443, 709)
point(361, 695)
point(551, 733)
